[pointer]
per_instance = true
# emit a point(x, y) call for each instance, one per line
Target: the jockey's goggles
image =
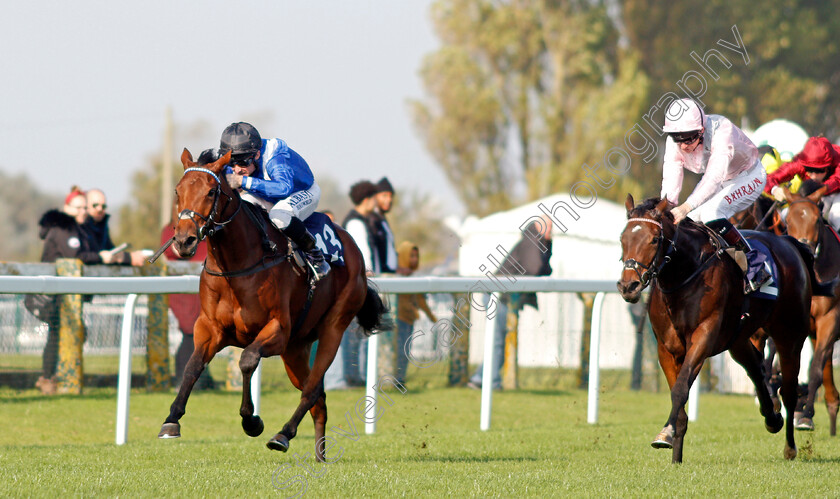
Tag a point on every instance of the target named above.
point(685, 137)
point(245, 160)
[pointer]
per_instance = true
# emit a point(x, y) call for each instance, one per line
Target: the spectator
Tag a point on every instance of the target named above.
point(408, 305)
point(95, 230)
point(347, 368)
point(383, 238)
point(529, 257)
point(357, 223)
point(63, 239)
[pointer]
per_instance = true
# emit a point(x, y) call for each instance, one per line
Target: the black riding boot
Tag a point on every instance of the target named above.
point(303, 239)
point(752, 262)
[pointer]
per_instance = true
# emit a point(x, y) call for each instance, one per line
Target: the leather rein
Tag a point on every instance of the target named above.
point(652, 270)
point(211, 227)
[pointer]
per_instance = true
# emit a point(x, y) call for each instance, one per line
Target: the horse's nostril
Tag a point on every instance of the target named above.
point(189, 241)
point(633, 286)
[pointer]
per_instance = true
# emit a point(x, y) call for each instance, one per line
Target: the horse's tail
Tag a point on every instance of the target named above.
point(817, 288)
point(372, 316)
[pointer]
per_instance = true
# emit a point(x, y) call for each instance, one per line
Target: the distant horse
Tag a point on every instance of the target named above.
point(255, 297)
point(805, 222)
point(759, 217)
point(698, 309)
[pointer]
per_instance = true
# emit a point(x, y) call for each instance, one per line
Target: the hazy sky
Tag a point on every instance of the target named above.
point(85, 86)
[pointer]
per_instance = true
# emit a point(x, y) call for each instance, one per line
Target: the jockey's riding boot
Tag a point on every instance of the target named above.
point(303, 239)
point(750, 260)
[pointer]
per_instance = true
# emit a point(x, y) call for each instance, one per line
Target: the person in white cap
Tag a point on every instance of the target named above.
point(732, 177)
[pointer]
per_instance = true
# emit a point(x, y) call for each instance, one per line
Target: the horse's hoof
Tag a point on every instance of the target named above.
point(170, 430)
point(665, 440)
point(790, 453)
point(253, 426)
point(278, 442)
point(774, 423)
point(804, 424)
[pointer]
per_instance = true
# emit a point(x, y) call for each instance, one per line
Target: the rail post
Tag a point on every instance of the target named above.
point(70, 372)
point(158, 377)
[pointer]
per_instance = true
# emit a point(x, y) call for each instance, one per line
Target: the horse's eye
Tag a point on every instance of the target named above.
point(210, 193)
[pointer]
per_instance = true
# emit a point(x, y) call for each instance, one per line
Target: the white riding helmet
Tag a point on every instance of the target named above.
point(683, 115)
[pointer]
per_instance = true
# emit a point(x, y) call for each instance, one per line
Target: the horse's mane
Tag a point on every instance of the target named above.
point(647, 205)
point(809, 187)
point(208, 156)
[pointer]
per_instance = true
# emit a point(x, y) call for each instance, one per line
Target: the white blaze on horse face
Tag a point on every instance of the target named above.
point(636, 228)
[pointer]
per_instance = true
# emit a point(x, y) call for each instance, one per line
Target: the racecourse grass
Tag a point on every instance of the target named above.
point(427, 444)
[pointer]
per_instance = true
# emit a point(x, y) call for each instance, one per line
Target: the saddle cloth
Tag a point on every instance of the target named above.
point(323, 230)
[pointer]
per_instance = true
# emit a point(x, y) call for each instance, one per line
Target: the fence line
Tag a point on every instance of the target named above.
point(132, 286)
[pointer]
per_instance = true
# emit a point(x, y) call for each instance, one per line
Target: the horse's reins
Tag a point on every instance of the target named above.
point(211, 227)
point(652, 273)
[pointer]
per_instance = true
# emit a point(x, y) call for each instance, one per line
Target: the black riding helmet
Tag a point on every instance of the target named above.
point(240, 139)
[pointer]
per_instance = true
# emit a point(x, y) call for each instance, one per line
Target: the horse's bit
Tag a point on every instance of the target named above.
point(650, 271)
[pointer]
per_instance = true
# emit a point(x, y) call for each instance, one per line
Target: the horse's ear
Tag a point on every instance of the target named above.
point(817, 194)
point(789, 196)
point(187, 159)
point(662, 205)
point(217, 166)
point(628, 203)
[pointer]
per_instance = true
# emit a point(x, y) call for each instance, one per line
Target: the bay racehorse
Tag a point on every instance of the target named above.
point(805, 222)
point(698, 309)
point(254, 296)
point(763, 214)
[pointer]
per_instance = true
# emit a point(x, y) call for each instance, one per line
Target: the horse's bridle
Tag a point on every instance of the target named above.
point(820, 223)
point(651, 270)
point(211, 226)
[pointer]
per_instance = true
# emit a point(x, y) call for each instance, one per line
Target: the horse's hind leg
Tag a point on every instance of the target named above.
point(206, 346)
point(297, 367)
point(329, 337)
point(745, 354)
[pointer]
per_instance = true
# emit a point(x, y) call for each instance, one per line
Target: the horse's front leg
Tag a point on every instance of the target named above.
point(206, 336)
point(248, 363)
point(832, 397)
point(820, 371)
point(673, 433)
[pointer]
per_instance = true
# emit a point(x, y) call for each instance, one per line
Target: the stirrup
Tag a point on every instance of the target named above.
point(318, 264)
point(761, 277)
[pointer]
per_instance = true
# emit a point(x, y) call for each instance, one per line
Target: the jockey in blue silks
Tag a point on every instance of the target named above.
point(272, 175)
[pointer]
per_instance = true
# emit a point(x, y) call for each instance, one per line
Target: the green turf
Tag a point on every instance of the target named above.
point(427, 444)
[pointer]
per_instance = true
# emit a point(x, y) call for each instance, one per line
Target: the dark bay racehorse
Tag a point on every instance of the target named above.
point(805, 223)
point(698, 310)
point(763, 214)
point(253, 296)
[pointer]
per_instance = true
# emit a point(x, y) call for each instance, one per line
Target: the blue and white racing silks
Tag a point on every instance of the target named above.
point(280, 172)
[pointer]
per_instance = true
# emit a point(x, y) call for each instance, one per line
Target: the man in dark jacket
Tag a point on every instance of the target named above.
point(383, 238)
point(530, 257)
point(95, 230)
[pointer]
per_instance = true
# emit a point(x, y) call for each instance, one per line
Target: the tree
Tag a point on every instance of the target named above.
point(523, 94)
point(793, 51)
point(22, 205)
